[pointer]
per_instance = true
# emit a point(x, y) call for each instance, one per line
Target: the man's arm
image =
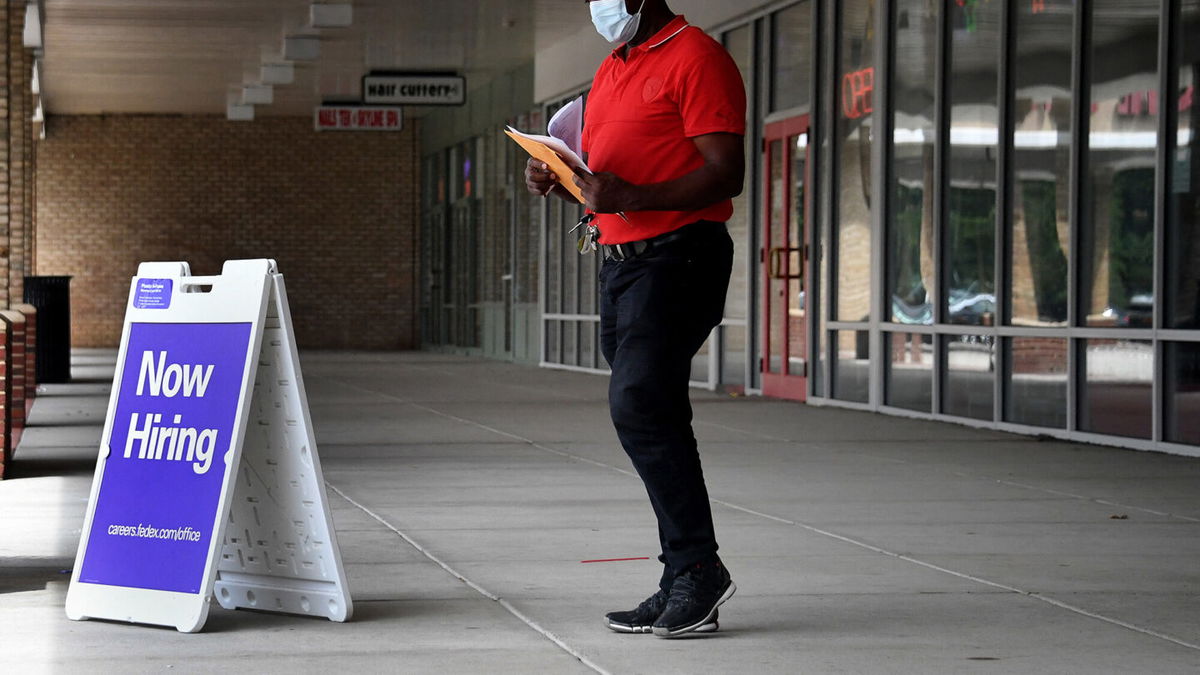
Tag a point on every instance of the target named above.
point(720, 178)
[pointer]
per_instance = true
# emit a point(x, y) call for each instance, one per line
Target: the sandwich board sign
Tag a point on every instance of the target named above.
point(207, 481)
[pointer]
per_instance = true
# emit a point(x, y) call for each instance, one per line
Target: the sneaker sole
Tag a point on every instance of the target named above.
point(709, 627)
point(665, 632)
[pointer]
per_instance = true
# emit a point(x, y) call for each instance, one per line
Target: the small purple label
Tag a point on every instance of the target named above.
point(156, 510)
point(152, 294)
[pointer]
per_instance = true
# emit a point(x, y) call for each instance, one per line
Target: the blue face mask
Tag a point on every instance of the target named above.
point(613, 21)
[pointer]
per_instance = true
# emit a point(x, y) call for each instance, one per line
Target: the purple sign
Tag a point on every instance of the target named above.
point(152, 294)
point(173, 423)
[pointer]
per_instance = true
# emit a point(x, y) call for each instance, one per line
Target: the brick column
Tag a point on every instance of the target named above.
point(6, 39)
point(18, 125)
point(30, 314)
point(16, 370)
point(6, 440)
point(14, 379)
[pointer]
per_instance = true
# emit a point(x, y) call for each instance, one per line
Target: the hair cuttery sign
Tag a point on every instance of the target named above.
point(358, 118)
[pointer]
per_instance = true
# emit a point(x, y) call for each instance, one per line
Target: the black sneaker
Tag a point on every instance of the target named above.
point(693, 601)
point(641, 619)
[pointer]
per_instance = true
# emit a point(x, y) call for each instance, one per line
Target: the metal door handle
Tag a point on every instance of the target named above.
point(776, 256)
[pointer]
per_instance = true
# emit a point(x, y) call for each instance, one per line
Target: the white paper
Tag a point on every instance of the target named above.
point(567, 125)
point(558, 146)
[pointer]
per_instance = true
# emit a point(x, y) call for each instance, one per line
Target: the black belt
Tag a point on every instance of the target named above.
point(634, 249)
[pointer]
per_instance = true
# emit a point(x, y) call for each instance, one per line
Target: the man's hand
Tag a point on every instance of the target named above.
point(538, 179)
point(606, 193)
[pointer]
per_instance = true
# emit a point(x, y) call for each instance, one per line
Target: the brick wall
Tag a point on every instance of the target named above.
point(337, 210)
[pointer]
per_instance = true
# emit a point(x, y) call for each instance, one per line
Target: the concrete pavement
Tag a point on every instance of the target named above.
point(466, 493)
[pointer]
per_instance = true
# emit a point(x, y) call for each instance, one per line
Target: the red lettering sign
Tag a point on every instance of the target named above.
point(858, 93)
point(358, 118)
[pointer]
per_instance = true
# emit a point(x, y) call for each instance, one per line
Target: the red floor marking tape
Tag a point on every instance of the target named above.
point(612, 560)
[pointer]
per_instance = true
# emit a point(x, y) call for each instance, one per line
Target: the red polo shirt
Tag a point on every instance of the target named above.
point(643, 111)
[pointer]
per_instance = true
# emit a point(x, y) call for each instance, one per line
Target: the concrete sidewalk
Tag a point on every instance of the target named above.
point(860, 543)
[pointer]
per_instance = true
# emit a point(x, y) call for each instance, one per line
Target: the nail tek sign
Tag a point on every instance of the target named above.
point(357, 118)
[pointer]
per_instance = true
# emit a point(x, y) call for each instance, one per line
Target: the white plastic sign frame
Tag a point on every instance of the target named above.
point(191, 378)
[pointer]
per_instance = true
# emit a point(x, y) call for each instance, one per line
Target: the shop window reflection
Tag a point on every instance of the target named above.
point(740, 43)
point(910, 277)
point(1183, 393)
point(851, 365)
point(910, 371)
point(791, 47)
point(1117, 227)
point(853, 155)
point(1183, 199)
point(971, 173)
point(1037, 382)
point(733, 360)
point(1039, 235)
point(1115, 397)
point(969, 371)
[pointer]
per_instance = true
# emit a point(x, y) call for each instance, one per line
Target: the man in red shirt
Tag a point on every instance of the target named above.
point(663, 135)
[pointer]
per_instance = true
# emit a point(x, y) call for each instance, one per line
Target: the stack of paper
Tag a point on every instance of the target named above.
point(559, 150)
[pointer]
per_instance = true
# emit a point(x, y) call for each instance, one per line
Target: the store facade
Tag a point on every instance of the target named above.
point(983, 211)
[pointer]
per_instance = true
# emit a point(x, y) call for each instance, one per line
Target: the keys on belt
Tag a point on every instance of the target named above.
point(587, 241)
point(632, 249)
point(587, 238)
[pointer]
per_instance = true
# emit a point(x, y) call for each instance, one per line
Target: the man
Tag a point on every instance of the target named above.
point(663, 135)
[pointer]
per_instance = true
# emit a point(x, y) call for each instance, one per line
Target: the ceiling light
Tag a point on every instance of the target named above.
point(32, 37)
point(236, 111)
point(277, 73)
point(258, 94)
point(331, 15)
point(301, 48)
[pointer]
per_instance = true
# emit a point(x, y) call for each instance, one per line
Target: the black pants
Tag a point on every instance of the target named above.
point(656, 310)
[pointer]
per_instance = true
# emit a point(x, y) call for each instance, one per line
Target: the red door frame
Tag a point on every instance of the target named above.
point(784, 384)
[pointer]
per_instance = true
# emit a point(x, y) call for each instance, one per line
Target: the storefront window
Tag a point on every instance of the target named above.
point(1183, 199)
point(1183, 393)
point(1040, 233)
point(791, 55)
point(853, 155)
point(1037, 384)
point(1117, 222)
point(910, 371)
point(1116, 396)
point(740, 44)
point(968, 388)
point(851, 365)
point(910, 278)
point(971, 170)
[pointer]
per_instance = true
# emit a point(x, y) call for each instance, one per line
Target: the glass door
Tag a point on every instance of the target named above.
point(785, 258)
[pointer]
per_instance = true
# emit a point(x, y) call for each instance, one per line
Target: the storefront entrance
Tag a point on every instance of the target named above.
point(785, 256)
